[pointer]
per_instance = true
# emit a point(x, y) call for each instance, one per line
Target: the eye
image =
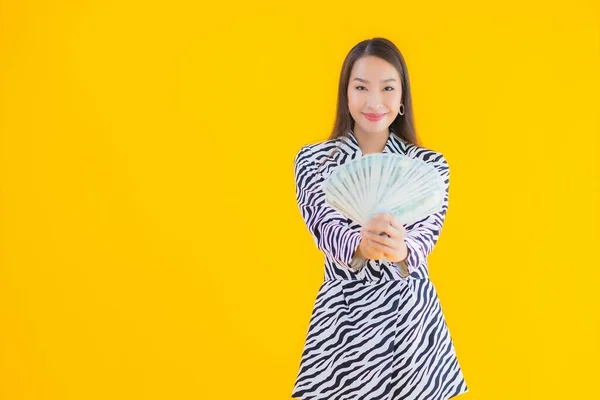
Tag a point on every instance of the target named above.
point(391, 87)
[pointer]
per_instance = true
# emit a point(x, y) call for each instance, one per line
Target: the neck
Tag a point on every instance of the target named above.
point(371, 142)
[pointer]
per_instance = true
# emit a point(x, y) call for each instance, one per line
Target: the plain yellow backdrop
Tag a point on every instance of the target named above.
point(151, 246)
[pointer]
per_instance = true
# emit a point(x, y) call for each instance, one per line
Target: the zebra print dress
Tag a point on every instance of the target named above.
point(372, 335)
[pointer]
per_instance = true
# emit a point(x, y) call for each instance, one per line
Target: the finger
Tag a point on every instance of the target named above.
point(377, 246)
point(390, 230)
point(383, 239)
point(372, 226)
point(385, 217)
point(371, 250)
point(377, 218)
point(390, 246)
point(385, 222)
point(399, 226)
point(380, 216)
point(366, 230)
point(377, 238)
point(396, 223)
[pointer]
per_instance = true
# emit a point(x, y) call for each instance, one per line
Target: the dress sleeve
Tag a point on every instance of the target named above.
point(329, 229)
point(422, 235)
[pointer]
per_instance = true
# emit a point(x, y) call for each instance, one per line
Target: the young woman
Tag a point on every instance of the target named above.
point(377, 330)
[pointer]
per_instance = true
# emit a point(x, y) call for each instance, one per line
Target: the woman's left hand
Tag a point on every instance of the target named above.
point(387, 234)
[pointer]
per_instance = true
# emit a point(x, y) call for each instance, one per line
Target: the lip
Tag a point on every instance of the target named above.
point(374, 117)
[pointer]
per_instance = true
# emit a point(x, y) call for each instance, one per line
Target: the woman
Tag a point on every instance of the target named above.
point(377, 330)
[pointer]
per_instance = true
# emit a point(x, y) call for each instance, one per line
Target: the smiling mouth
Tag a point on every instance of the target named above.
point(374, 117)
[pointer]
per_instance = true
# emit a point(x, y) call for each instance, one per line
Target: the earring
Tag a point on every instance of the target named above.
point(401, 108)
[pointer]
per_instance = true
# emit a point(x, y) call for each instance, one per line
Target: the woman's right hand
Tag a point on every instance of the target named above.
point(375, 248)
point(367, 250)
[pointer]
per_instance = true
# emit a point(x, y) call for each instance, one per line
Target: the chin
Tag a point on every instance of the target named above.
point(374, 129)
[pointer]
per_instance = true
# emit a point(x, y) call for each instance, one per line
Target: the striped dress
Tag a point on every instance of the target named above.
point(372, 335)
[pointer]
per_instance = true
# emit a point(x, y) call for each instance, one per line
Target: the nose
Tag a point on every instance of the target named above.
point(374, 101)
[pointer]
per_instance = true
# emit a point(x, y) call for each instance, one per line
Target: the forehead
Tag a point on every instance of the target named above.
point(374, 69)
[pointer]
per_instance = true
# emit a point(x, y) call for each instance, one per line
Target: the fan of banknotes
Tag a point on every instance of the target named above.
point(409, 188)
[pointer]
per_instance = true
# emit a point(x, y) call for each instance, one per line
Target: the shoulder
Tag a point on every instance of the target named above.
point(314, 153)
point(430, 156)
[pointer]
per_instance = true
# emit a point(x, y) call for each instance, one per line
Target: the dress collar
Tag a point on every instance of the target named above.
point(393, 144)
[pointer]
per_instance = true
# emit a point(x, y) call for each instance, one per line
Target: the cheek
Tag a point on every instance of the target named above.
point(354, 101)
point(394, 103)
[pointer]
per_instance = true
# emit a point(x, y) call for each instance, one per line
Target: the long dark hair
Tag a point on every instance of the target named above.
point(403, 125)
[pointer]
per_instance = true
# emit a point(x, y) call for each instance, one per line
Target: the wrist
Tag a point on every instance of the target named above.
point(405, 257)
point(358, 252)
point(403, 266)
point(405, 253)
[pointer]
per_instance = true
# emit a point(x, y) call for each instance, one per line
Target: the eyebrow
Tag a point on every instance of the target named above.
point(366, 81)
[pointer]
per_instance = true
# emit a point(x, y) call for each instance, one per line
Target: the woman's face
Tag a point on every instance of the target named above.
point(374, 88)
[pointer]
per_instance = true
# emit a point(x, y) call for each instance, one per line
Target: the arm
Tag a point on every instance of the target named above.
point(329, 229)
point(422, 236)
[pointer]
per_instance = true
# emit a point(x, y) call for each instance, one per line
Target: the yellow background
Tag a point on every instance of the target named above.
point(151, 246)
